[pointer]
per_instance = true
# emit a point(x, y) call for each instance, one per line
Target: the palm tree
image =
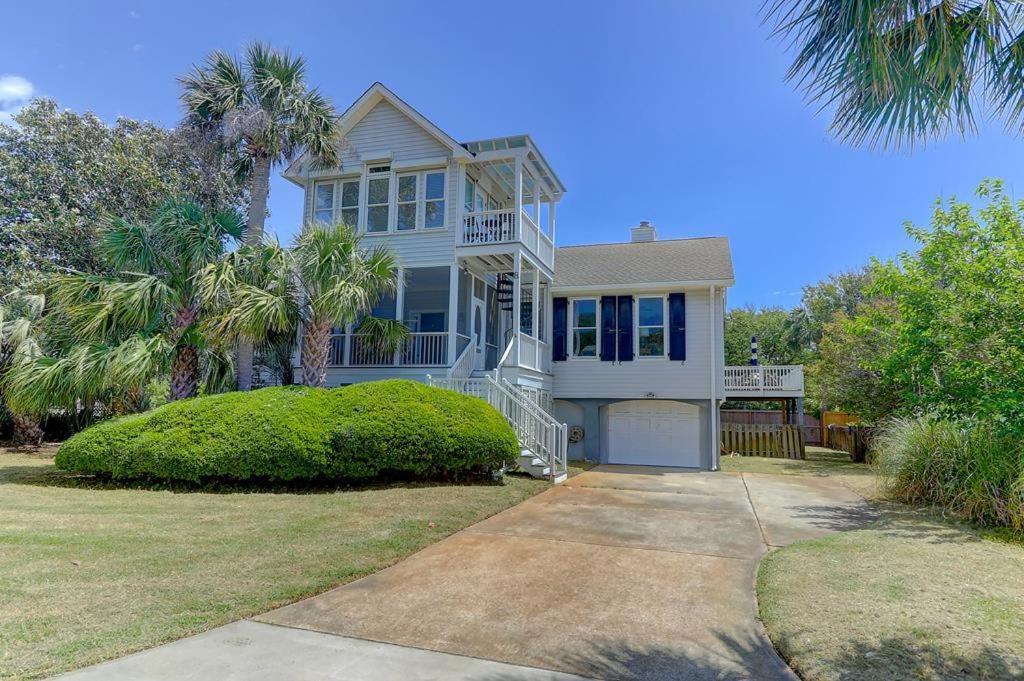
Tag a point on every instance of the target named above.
point(265, 114)
point(146, 321)
point(20, 316)
point(326, 280)
point(901, 71)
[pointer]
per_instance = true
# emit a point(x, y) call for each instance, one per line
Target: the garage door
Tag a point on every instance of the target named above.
point(654, 433)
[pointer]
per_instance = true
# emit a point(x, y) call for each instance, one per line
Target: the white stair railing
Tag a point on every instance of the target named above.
point(536, 430)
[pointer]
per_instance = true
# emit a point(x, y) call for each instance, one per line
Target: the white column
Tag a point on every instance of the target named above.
point(399, 309)
point(535, 318)
point(519, 198)
point(551, 220)
point(453, 311)
point(460, 205)
point(517, 303)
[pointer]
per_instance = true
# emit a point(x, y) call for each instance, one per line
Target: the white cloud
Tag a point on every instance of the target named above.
point(15, 92)
point(14, 89)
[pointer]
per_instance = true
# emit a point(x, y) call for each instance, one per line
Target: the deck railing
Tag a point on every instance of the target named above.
point(485, 227)
point(765, 379)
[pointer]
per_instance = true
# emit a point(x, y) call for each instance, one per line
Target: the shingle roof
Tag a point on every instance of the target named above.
point(648, 262)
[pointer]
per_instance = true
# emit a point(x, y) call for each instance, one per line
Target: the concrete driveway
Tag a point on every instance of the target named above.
point(620, 573)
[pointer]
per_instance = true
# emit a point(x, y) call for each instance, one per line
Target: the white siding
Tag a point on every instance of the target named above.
point(385, 128)
point(416, 249)
point(667, 379)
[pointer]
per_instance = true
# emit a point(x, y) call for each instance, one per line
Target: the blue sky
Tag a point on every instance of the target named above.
point(674, 112)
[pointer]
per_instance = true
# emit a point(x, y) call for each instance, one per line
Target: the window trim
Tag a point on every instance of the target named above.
point(417, 196)
point(389, 175)
point(571, 335)
point(333, 184)
point(637, 326)
point(421, 206)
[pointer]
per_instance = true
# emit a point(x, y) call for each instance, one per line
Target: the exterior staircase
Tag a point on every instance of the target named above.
point(543, 441)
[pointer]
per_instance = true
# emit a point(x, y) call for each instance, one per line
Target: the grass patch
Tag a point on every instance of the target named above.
point(914, 596)
point(819, 462)
point(91, 570)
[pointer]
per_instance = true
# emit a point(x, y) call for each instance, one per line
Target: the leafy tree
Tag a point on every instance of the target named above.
point(777, 336)
point(956, 344)
point(265, 113)
point(145, 321)
point(62, 173)
point(899, 71)
point(821, 302)
point(845, 374)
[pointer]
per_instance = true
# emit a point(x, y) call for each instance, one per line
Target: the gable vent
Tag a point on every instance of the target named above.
point(643, 232)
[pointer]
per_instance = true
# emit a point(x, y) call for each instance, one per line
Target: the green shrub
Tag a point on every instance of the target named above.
point(291, 433)
point(972, 468)
point(412, 428)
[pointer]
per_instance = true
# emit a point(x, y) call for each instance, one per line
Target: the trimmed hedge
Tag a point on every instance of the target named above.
point(291, 433)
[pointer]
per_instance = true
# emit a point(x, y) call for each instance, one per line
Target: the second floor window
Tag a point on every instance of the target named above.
point(350, 203)
point(378, 203)
point(433, 196)
point(323, 202)
point(407, 202)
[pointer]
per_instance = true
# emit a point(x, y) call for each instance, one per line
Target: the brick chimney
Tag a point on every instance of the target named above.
point(643, 232)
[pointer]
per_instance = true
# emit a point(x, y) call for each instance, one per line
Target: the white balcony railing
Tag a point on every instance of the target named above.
point(418, 350)
point(485, 227)
point(770, 379)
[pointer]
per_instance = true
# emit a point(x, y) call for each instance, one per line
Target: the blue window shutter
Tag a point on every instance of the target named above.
point(677, 326)
point(608, 328)
point(560, 312)
point(625, 328)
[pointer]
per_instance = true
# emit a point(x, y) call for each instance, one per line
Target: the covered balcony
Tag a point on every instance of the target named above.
point(508, 201)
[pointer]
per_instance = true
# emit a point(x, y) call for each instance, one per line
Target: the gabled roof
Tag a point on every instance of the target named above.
point(645, 264)
point(363, 105)
point(378, 92)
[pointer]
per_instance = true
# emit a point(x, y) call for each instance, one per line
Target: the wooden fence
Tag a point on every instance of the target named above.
point(812, 425)
point(854, 440)
point(837, 418)
point(775, 441)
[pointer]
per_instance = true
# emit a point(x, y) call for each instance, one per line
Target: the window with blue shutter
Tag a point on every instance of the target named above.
point(609, 329)
point(677, 326)
point(560, 314)
point(625, 320)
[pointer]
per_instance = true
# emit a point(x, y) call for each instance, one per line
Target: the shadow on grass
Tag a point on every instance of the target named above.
point(906, 657)
point(747, 657)
point(40, 477)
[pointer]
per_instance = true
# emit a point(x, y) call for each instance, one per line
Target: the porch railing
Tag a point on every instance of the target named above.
point(765, 378)
point(418, 350)
point(484, 227)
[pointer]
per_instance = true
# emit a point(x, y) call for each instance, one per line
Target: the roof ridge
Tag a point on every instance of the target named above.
point(641, 243)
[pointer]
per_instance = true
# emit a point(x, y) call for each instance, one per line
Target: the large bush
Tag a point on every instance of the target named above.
point(972, 468)
point(358, 432)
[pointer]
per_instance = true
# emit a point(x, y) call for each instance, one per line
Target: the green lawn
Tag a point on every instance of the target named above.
point(911, 597)
point(90, 572)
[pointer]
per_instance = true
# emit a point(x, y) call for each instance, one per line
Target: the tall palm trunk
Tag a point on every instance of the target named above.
point(185, 373)
point(316, 345)
point(258, 192)
point(27, 431)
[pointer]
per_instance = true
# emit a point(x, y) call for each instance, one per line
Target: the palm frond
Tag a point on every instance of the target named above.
point(385, 335)
point(895, 72)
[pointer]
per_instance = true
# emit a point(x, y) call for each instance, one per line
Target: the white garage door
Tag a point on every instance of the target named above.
point(654, 433)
